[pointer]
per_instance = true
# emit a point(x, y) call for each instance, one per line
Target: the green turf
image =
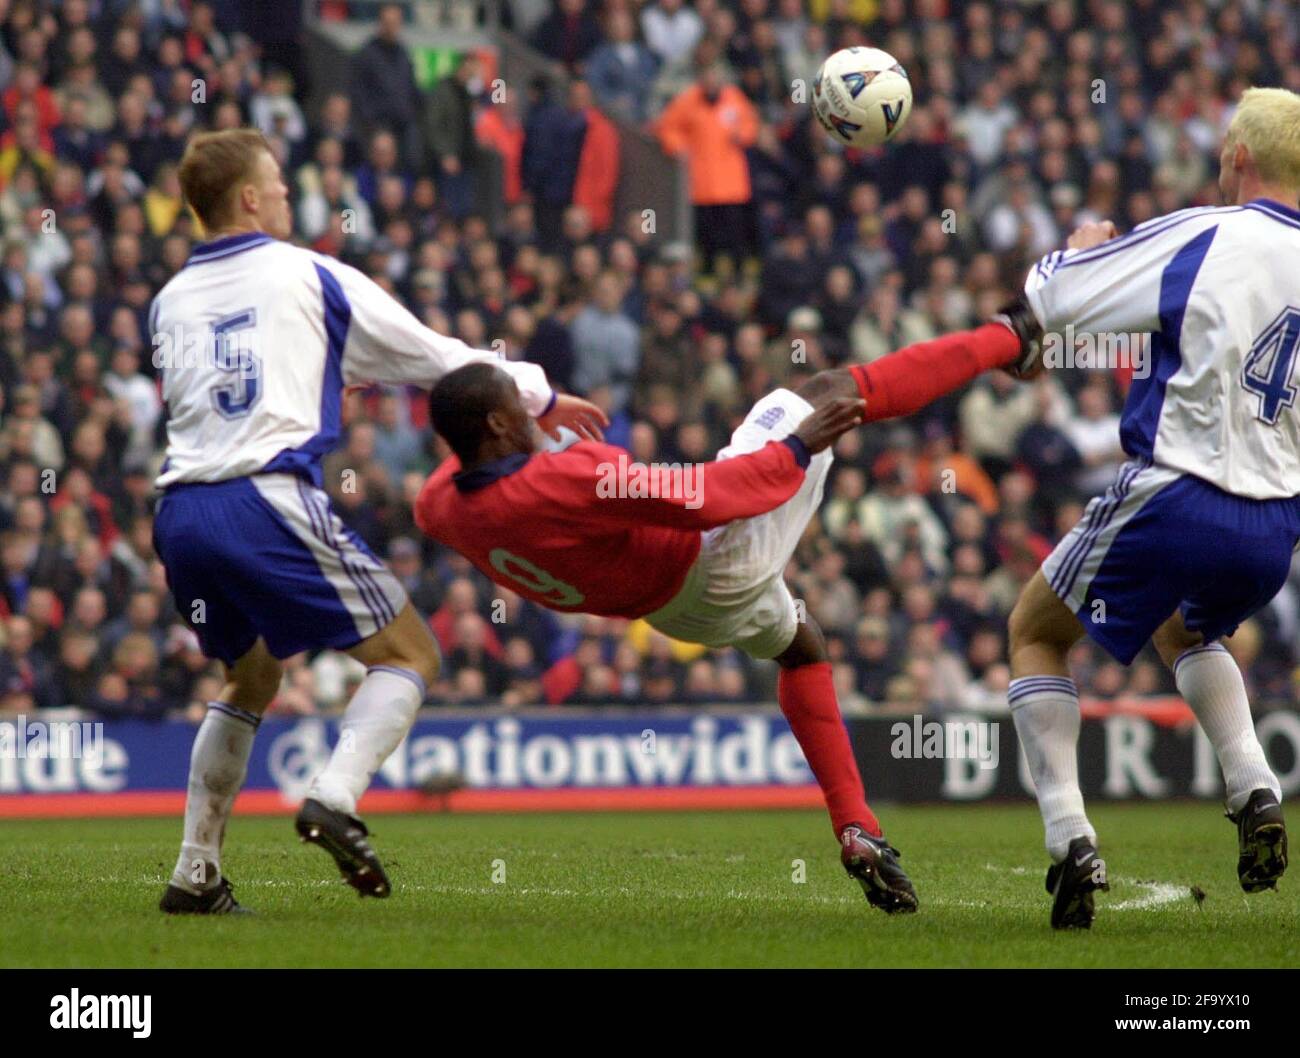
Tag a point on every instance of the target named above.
point(669, 889)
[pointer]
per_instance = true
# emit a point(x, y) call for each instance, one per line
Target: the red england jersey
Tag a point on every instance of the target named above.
point(590, 531)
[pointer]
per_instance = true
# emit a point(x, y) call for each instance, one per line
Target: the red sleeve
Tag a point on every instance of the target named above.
point(907, 380)
point(603, 481)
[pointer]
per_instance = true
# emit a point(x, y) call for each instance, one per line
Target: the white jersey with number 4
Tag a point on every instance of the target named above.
point(1218, 289)
point(255, 340)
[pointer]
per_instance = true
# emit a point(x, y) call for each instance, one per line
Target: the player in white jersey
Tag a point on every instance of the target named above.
point(255, 340)
point(1197, 532)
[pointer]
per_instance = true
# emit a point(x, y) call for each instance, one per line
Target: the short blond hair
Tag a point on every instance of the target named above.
point(1267, 121)
point(213, 168)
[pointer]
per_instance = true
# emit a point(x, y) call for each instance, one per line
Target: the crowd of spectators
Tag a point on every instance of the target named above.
point(1029, 118)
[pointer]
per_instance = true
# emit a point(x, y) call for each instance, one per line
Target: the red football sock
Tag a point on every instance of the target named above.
point(807, 697)
point(907, 380)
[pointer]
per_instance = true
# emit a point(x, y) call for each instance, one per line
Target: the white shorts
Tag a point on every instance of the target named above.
point(735, 595)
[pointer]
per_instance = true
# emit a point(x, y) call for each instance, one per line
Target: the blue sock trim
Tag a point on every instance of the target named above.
point(1019, 690)
point(1191, 652)
point(235, 713)
point(397, 670)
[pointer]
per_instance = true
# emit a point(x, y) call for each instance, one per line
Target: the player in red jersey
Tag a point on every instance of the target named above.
point(701, 560)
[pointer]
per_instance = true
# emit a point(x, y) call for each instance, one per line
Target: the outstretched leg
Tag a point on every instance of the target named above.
point(806, 693)
point(401, 662)
point(905, 381)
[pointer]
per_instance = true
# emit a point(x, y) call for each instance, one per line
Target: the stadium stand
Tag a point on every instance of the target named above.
point(1030, 118)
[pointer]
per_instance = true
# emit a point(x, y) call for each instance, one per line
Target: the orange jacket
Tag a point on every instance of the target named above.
point(597, 178)
point(970, 479)
point(508, 141)
point(713, 136)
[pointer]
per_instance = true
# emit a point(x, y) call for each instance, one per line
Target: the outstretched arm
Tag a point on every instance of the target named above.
point(383, 342)
point(603, 482)
point(907, 380)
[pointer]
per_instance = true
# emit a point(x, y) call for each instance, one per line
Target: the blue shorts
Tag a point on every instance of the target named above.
point(1158, 541)
point(267, 556)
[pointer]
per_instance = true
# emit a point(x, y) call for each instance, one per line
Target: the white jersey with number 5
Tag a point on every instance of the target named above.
point(1218, 289)
point(256, 338)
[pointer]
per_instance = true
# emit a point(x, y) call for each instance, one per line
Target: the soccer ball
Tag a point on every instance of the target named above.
point(862, 96)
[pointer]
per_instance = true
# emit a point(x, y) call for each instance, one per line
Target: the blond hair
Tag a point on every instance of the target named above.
point(1267, 121)
point(214, 166)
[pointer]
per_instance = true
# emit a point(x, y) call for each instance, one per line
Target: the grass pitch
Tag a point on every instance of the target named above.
point(641, 890)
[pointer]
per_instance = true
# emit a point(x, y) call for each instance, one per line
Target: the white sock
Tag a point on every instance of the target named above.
point(1208, 678)
point(376, 720)
point(218, 764)
point(1046, 713)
